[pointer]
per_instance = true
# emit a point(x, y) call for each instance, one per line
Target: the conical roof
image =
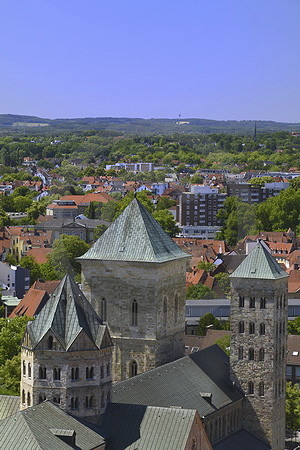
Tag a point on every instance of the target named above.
point(66, 314)
point(134, 236)
point(259, 264)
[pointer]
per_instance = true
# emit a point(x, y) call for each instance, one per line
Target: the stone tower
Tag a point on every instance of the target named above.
point(134, 277)
point(258, 343)
point(66, 355)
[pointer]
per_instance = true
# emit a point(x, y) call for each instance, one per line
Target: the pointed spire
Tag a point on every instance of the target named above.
point(259, 264)
point(134, 236)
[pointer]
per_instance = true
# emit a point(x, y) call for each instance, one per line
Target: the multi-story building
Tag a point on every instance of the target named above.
point(200, 208)
point(248, 193)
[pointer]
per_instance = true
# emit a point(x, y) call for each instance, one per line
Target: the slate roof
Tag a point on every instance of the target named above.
point(66, 314)
point(34, 428)
point(180, 383)
point(259, 264)
point(134, 236)
point(9, 404)
point(146, 427)
point(241, 440)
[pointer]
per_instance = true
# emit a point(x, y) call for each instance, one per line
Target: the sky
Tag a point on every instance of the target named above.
point(210, 59)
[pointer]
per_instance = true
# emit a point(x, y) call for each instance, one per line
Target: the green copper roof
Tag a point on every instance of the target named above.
point(134, 236)
point(66, 314)
point(259, 264)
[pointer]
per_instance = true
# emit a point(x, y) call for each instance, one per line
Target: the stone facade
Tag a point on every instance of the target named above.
point(144, 306)
point(78, 380)
point(258, 354)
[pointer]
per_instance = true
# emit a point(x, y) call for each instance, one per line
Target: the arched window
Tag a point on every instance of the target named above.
point(102, 371)
point(29, 370)
point(176, 307)
point(102, 400)
point(241, 302)
point(28, 399)
point(23, 396)
point(261, 389)
point(50, 342)
point(108, 370)
point(74, 403)
point(251, 328)
point(56, 373)
point(251, 354)
point(42, 373)
point(134, 313)
point(24, 368)
point(133, 368)
point(89, 402)
point(241, 353)
point(103, 310)
point(250, 388)
point(252, 302)
point(262, 329)
point(261, 354)
point(89, 373)
point(262, 303)
point(74, 373)
point(241, 327)
point(165, 311)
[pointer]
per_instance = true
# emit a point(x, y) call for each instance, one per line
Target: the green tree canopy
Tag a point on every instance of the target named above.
point(166, 220)
point(292, 406)
point(208, 320)
point(165, 203)
point(65, 249)
point(98, 231)
point(200, 291)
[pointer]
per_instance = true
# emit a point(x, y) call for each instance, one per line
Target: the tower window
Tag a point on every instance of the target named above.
point(261, 356)
point(250, 388)
point(241, 327)
point(241, 302)
point(134, 313)
point(29, 370)
point(241, 353)
point(262, 329)
point(89, 402)
point(108, 370)
point(261, 389)
point(74, 403)
point(28, 399)
point(262, 303)
point(74, 373)
point(176, 308)
point(103, 310)
point(23, 396)
point(50, 342)
point(133, 368)
point(252, 302)
point(165, 311)
point(251, 328)
point(56, 373)
point(251, 354)
point(102, 400)
point(102, 371)
point(42, 373)
point(89, 373)
point(24, 368)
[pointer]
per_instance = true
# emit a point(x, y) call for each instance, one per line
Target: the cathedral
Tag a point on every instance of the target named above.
point(119, 342)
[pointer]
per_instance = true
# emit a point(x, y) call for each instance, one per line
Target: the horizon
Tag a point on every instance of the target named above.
point(219, 60)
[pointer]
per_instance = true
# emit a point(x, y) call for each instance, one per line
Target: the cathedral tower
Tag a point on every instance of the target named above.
point(258, 343)
point(134, 276)
point(66, 355)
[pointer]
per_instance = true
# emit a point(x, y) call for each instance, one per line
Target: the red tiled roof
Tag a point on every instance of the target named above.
point(39, 254)
point(294, 281)
point(48, 286)
point(31, 304)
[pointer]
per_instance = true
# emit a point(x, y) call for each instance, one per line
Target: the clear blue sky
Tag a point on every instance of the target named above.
point(215, 59)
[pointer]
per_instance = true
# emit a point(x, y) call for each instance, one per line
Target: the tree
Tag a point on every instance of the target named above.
point(10, 376)
point(11, 334)
point(294, 326)
point(108, 210)
point(98, 231)
point(260, 181)
point(28, 262)
point(223, 282)
point(208, 320)
point(200, 291)
point(65, 250)
point(166, 220)
point(224, 344)
point(165, 203)
point(141, 196)
point(207, 266)
point(292, 406)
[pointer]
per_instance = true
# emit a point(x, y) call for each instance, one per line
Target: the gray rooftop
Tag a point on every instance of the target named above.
point(66, 314)
point(241, 440)
point(134, 236)
point(259, 264)
point(143, 427)
point(32, 429)
point(9, 404)
point(180, 383)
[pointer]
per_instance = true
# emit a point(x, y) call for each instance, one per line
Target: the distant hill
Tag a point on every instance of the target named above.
point(18, 123)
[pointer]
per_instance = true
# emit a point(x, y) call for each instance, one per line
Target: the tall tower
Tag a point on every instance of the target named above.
point(134, 276)
point(258, 343)
point(66, 355)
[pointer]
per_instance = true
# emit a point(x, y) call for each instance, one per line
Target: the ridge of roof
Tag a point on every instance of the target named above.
point(134, 236)
point(66, 314)
point(259, 264)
